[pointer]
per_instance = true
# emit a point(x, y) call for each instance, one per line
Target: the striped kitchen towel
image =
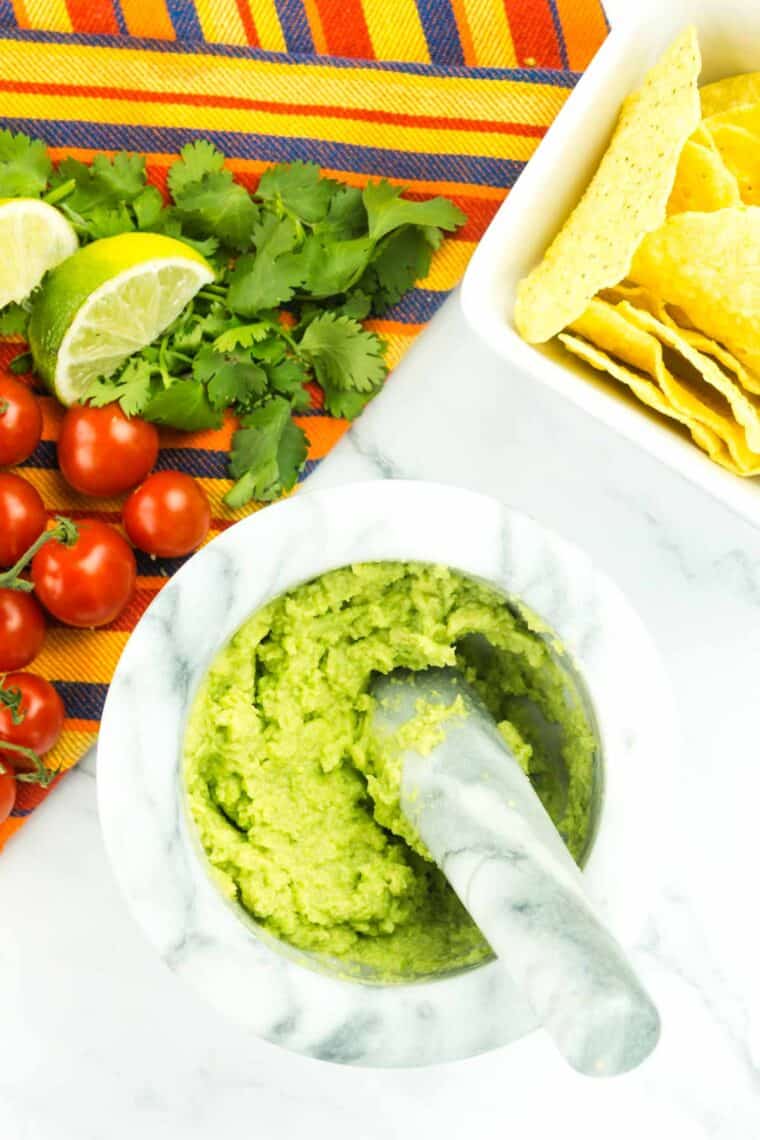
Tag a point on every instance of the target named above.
point(441, 96)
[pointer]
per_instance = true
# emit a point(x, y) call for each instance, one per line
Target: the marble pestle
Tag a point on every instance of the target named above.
point(477, 813)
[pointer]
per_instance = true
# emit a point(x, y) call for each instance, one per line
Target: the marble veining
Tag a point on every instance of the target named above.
point(211, 944)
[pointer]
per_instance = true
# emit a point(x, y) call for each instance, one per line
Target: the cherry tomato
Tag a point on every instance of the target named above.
point(41, 712)
point(20, 421)
point(89, 582)
point(103, 452)
point(168, 516)
point(22, 629)
point(22, 517)
point(7, 791)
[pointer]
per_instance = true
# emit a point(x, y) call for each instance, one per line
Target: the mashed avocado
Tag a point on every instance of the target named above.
point(298, 814)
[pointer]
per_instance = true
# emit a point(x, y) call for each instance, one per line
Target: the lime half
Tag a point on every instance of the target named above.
point(112, 298)
point(33, 238)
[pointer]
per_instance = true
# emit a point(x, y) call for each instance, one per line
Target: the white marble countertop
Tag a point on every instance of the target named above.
point(99, 1041)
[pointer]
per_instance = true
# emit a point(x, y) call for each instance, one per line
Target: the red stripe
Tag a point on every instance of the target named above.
point(533, 33)
point(93, 18)
point(345, 29)
point(396, 118)
point(248, 25)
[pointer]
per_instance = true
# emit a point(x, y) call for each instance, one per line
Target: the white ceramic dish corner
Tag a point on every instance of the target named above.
point(158, 865)
point(551, 185)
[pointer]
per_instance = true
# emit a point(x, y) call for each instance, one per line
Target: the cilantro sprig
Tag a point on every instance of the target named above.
point(299, 265)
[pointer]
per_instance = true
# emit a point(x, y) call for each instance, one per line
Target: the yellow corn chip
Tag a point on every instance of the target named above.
point(650, 395)
point(703, 181)
point(625, 199)
point(708, 265)
point(736, 91)
point(611, 329)
point(739, 149)
point(746, 411)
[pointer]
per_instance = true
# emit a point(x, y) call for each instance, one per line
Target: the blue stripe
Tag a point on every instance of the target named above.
point(441, 32)
point(122, 23)
point(544, 76)
point(560, 32)
point(375, 161)
point(417, 306)
point(7, 15)
point(184, 18)
point(81, 699)
point(295, 26)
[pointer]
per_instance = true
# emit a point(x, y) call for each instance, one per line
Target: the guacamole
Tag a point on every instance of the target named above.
point(294, 803)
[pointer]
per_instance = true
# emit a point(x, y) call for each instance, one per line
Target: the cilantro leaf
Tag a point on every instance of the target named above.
point(232, 378)
point(299, 188)
point(270, 276)
point(196, 160)
point(345, 405)
point(184, 405)
point(267, 454)
point(25, 166)
point(288, 378)
point(387, 210)
point(13, 320)
point(401, 259)
point(242, 336)
point(346, 217)
point(131, 388)
point(149, 208)
point(217, 206)
point(106, 221)
point(331, 267)
point(343, 354)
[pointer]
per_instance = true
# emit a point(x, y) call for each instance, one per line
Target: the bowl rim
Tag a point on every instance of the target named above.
point(164, 880)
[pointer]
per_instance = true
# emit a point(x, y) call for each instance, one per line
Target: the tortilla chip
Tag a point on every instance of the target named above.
point(746, 411)
point(625, 199)
point(736, 91)
point(611, 328)
point(708, 265)
point(650, 395)
point(703, 181)
point(739, 149)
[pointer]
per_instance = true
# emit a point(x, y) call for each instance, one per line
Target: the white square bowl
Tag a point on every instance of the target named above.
point(552, 184)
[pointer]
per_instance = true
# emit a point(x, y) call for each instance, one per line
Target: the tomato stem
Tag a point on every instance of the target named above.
point(11, 698)
point(64, 531)
point(41, 775)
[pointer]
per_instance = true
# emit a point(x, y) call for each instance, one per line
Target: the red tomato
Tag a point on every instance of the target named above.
point(7, 791)
point(35, 701)
point(22, 629)
point(22, 517)
point(89, 582)
point(20, 421)
point(168, 516)
point(102, 452)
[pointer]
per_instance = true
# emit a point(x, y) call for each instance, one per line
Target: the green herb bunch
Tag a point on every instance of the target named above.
point(299, 265)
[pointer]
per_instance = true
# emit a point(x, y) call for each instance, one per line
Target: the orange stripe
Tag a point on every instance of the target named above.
point(585, 29)
point(345, 29)
point(465, 34)
point(20, 12)
point(9, 828)
point(148, 20)
point(315, 25)
point(95, 19)
point(246, 18)
point(395, 118)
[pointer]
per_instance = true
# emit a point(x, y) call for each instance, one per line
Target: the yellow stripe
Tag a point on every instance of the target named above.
point(396, 35)
point(448, 265)
point(48, 15)
point(220, 22)
point(441, 96)
point(69, 749)
point(398, 344)
point(490, 32)
point(68, 655)
point(343, 131)
point(267, 24)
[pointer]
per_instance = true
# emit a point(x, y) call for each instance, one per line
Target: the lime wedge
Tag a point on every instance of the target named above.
point(111, 299)
point(33, 238)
